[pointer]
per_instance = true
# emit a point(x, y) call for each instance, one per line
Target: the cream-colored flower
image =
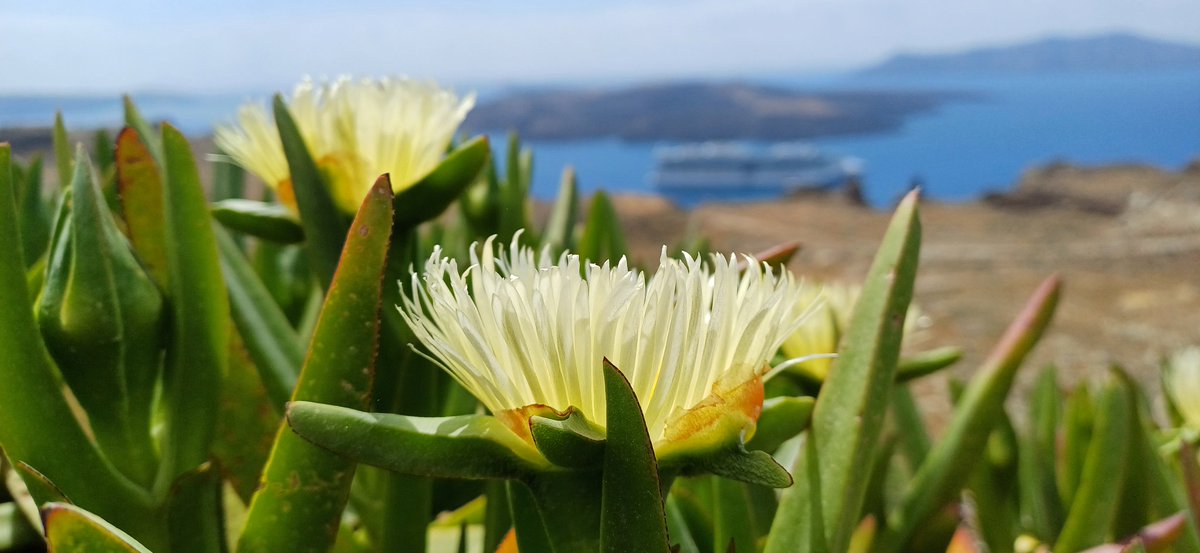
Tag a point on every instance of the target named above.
point(1181, 381)
point(355, 130)
point(520, 329)
point(831, 305)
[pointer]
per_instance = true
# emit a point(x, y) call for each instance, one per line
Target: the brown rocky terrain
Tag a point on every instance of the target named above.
point(1125, 240)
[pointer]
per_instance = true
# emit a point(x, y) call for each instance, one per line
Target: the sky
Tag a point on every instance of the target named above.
point(231, 46)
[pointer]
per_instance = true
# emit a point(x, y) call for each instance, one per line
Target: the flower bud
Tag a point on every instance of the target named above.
point(101, 317)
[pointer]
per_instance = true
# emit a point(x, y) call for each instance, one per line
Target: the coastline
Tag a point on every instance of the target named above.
point(1125, 238)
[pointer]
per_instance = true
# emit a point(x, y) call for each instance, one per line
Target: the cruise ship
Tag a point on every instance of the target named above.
point(736, 167)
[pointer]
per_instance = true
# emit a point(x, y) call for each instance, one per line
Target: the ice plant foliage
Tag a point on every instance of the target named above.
point(518, 328)
point(356, 131)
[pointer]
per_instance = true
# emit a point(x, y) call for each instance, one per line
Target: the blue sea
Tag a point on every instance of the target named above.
point(957, 152)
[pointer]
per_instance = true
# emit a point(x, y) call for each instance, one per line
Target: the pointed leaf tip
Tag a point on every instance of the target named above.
point(632, 517)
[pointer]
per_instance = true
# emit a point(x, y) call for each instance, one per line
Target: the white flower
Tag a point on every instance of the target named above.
point(520, 329)
point(355, 130)
point(830, 306)
point(1181, 381)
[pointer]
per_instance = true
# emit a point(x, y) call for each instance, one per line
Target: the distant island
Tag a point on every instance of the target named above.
point(1109, 52)
point(700, 111)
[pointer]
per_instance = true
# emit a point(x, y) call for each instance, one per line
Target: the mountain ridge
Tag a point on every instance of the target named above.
point(1118, 51)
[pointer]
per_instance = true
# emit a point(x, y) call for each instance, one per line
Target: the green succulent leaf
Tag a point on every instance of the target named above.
point(101, 316)
point(430, 196)
point(57, 445)
point(571, 442)
point(62, 150)
point(733, 519)
point(269, 338)
point(782, 419)
point(560, 228)
point(152, 140)
point(753, 467)
point(73, 529)
point(602, 238)
point(799, 524)
point(466, 446)
point(140, 187)
point(229, 179)
point(927, 362)
point(631, 509)
point(951, 461)
point(34, 212)
point(1094, 507)
point(849, 412)
point(198, 347)
point(324, 226)
point(911, 435)
point(1040, 505)
point(514, 194)
point(269, 221)
point(304, 488)
point(193, 512)
point(1079, 418)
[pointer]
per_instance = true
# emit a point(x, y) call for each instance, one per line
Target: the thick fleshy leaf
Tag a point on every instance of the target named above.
point(863, 536)
point(269, 337)
point(34, 213)
point(56, 446)
point(602, 238)
point(1090, 516)
point(246, 425)
point(1041, 508)
point(529, 529)
point(194, 512)
point(1153, 538)
point(152, 140)
point(678, 527)
point(304, 488)
point(1079, 418)
point(269, 221)
point(229, 179)
point(1191, 480)
point(776, 256)
point(467, 446)
point(62, 151)
point(735, 523)
point(926, 363)
point(198, 349)
point(559, 233)
point(689, 503)
point(752, 467)
point(497, 518)
point(139, 183)
point(324, 226)
point(799, 524)
point(101, 317)
point(849, 413)
point(631, 515)
point(569, 442)
point(430, 196)
point(782, 419)
point(911, 435)
point(514, 194)
point(951, 461)
point(71, 529)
